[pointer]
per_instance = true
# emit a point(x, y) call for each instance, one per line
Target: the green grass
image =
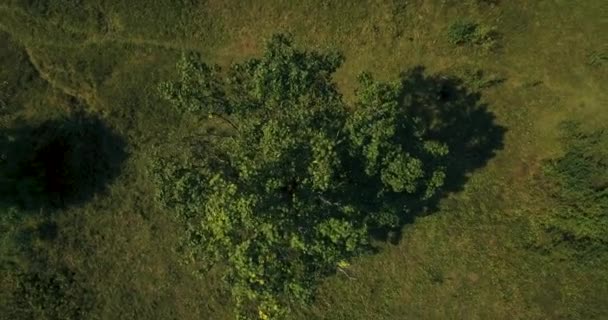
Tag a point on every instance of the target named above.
point(478, 256)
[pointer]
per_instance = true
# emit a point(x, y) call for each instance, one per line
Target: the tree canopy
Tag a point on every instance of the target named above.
point(297, 180)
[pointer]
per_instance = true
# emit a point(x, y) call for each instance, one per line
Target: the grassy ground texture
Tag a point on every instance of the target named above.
point(481, 255)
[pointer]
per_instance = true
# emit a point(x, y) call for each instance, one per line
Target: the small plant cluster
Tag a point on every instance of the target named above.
point(598, 58)
point(489, 2)
point(463, 32)
point(477, 79)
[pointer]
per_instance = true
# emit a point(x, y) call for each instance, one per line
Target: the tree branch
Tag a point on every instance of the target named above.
point(346, 274)
point(328, 202)
point(232, 124)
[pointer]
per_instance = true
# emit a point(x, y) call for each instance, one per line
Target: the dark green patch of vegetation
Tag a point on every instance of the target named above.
point(463, 32)
point(580, 186)
point(49, 294)
point(35, 285)
point(479, 80)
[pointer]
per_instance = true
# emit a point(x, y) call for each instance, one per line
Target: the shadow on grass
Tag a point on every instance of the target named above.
point(45, 167)
point(58, 163)
point(455, 115)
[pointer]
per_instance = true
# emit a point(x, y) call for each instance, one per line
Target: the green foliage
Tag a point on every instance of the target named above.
point(294, 189)
point(461, 32)
point(464, 32)
point(580, 185)
point(392, 141)
point(201, 89)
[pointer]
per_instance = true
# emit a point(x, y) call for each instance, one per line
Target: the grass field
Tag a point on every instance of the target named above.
point(481, 255)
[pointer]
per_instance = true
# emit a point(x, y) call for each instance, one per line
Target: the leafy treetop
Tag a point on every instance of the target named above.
point(297, 182)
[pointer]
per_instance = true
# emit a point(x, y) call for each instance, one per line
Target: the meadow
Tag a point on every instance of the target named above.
point(489, 250)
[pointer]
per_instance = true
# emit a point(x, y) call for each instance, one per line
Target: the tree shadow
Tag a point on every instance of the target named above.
point(453, 114)
point(45, 167)
point(58, 163)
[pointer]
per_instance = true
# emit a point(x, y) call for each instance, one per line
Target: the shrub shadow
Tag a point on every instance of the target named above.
point(58, 163)
point(453, 114)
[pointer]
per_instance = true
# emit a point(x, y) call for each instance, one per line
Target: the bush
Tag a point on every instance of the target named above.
point(461, 32)
point(470, 33)
point(579, 182)
point(598, 58)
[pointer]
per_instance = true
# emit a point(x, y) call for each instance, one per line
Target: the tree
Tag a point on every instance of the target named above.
point(295, 183)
